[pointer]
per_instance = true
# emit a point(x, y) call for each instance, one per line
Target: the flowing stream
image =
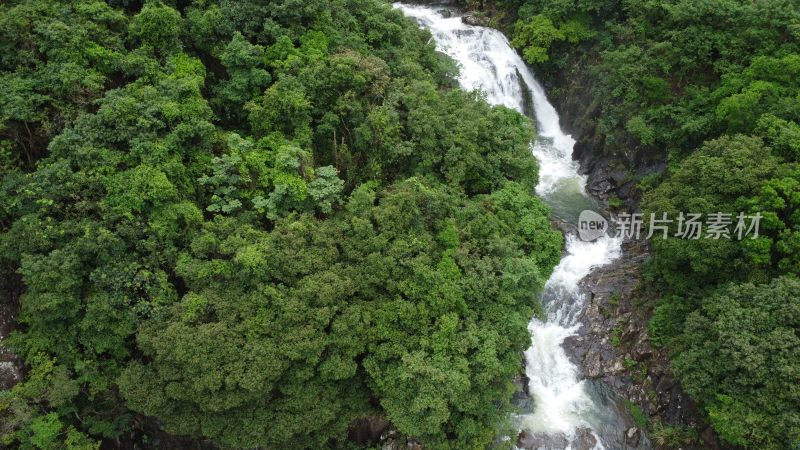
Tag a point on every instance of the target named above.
point(565, 407)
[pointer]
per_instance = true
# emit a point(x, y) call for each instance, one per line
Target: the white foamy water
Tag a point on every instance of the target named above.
point(562, 400)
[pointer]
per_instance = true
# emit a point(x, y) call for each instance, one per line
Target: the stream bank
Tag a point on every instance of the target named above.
point(614, 344)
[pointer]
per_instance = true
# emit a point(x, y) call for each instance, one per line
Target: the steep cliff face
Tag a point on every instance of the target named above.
point(613, 172)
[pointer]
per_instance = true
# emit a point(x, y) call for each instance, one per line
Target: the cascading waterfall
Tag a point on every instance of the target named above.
point(564, 404)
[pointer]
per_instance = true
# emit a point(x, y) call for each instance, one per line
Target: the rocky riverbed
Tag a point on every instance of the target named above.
point(613, 346)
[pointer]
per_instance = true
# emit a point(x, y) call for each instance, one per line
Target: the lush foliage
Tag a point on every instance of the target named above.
point(256, 222)
point(752, 397)
point(728, 336)
point(671, 74)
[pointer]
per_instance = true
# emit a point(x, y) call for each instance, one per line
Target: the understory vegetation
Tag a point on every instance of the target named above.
point(256, 222)
point(712, 88)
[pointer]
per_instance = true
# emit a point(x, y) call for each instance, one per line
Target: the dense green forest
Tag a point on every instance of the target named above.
point(256, 222)
point(252, 223)
point(712, 87)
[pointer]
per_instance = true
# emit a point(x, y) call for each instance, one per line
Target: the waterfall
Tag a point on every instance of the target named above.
point(563, 402)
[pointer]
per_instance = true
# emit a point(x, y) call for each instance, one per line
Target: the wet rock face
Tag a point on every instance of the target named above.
point(471, 19)
point(10, 364)
point(582, 440)
point(607, 178)
point(10, 374)
point(632, 437)
point(521, 399)
point(530, 441)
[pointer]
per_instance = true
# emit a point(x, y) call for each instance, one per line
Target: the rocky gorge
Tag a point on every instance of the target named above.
point(613, 344)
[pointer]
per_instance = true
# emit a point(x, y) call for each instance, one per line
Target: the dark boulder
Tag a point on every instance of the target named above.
point(478, 21)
